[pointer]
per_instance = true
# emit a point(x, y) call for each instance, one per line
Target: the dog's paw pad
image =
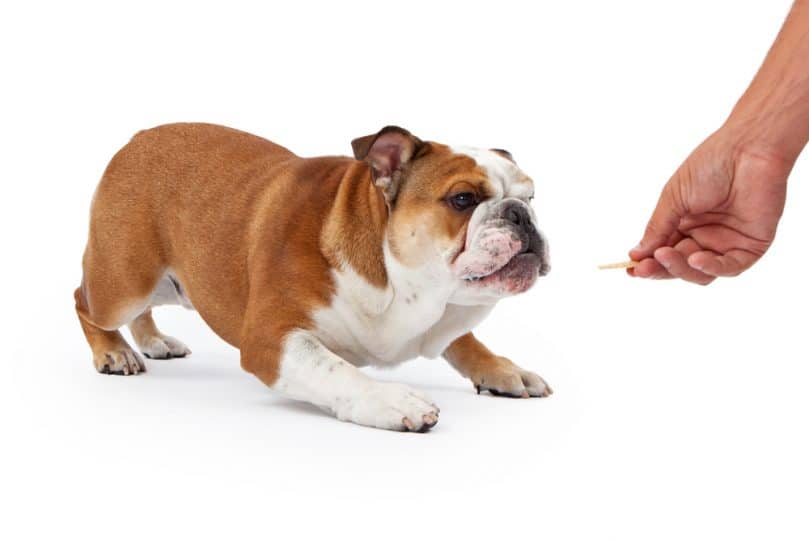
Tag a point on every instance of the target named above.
point(163, 347)
point(120, 362)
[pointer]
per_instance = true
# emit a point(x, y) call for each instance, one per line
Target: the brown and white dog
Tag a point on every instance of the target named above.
point(313, 266)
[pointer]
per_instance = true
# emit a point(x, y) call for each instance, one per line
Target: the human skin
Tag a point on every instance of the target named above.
point(719, 212)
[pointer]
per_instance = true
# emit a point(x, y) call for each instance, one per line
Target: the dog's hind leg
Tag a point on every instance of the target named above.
point(116, 289)
point(111, 353)
point(152, 342)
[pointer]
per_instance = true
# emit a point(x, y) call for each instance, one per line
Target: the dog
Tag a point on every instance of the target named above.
point(313, 267)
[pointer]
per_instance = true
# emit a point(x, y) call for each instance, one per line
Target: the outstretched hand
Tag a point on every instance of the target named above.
point(716, 216)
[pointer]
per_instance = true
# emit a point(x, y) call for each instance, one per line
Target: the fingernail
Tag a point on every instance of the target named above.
point(694, 264)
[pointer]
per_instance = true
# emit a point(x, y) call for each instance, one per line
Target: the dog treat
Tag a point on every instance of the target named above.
point(626, 264)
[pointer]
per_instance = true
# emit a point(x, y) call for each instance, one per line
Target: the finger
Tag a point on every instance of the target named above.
point(662, 226)
point(687, 246)
point(649, 268)
point(730, 264)
point(674, 261)
point(654, 270)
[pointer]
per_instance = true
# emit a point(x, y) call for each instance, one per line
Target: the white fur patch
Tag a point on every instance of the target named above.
point(310, 372)
point(384, 326)
point(169, 291)
point(505, 177)
point(161, 346)
point(457, 321)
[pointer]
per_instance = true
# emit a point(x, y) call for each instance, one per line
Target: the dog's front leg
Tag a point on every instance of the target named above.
point(497, 374)
point(302, 368)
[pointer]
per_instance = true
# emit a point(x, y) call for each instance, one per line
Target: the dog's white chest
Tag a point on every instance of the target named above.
point(368, 325)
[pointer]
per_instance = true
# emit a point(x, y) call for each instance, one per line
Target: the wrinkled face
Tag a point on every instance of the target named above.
point(467, 212)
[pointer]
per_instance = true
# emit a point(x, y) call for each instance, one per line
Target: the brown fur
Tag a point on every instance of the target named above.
point(251, 231)
point(358, 217)
point(487, 370)
point(473, 359)
point(422, 206)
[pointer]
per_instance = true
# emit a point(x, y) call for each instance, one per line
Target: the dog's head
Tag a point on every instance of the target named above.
point(463, 212)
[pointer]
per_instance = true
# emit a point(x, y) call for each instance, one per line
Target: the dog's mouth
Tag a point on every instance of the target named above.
point(526, 266)
point(503, 260)
point(515, 277)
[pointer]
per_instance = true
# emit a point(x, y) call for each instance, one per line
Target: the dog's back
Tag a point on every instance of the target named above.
point(185, 204)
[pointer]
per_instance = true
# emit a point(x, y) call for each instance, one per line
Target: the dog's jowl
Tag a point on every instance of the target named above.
point(313, 266)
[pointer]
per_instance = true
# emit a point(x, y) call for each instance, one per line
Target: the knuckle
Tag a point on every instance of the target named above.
point(651, 230)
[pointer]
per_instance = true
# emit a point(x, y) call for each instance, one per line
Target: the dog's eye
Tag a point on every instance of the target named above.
point(463, 201)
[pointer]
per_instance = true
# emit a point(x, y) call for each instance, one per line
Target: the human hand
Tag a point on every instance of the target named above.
point(717, 215)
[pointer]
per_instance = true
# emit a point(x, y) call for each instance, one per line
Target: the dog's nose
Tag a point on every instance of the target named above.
point(514, 216)
point(517, 214)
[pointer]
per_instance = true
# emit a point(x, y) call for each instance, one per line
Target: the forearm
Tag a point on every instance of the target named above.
point(772, 117)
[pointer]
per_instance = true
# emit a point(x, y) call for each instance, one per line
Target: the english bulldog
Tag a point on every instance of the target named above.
point(313, 267)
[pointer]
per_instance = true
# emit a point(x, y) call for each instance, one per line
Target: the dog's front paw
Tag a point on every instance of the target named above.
point(507, 379)
point(389, 406)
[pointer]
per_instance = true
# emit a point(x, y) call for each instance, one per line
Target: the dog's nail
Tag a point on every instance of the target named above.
point(408, 424)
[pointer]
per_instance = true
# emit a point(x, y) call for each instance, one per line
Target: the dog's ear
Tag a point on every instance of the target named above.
point(505, 153)
point(387, 153)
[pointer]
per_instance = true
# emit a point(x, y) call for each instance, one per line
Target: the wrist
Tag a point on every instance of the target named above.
point(770, 134)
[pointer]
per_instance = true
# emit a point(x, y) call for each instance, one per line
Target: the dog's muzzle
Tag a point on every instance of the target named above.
point(517, 215)
point(504, 253)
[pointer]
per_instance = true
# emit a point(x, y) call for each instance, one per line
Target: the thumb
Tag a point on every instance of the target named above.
point(663, 224)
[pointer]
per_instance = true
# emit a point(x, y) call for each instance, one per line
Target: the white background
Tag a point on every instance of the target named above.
point(679, 411)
